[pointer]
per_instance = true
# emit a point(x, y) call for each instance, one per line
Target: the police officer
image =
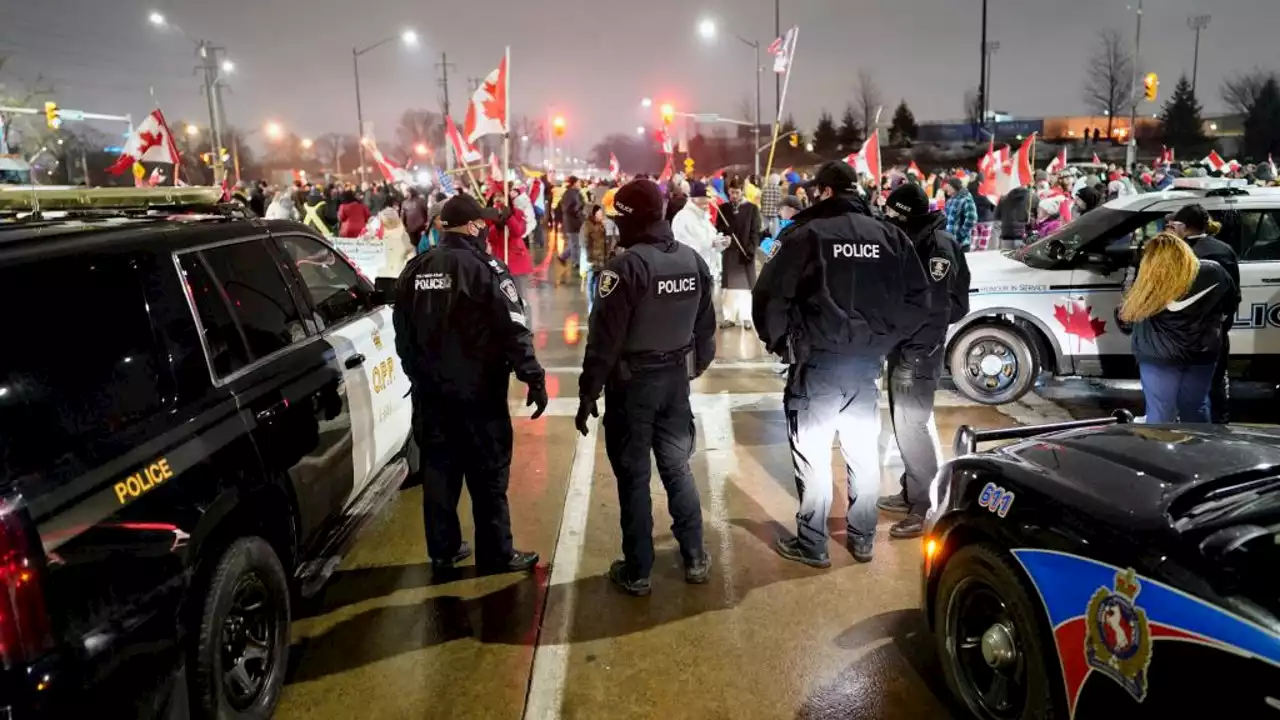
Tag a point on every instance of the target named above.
point(460, 331)
point(842, 291)
point(916, 364)
point(653, 328)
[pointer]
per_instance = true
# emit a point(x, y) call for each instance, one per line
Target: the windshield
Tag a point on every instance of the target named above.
point(1117, 226)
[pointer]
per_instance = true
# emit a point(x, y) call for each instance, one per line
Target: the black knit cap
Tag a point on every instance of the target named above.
point(909, 200)
point(639, 201)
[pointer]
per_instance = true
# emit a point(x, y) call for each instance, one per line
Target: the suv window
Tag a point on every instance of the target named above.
point(245, 307)
point(337, 291)
point(67, 378)
point(1255, 235)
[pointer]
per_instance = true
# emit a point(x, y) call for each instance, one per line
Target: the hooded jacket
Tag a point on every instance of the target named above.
point(842, 282)
point(692, 226)
point(1189, 330)
point(948, 272)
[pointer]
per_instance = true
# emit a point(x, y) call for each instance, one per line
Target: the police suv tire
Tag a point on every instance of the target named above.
point(1028, 365)
point(244, 557)
point(1041, 668)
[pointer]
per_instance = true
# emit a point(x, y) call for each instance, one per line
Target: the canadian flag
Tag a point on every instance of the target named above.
point(495, 168)
point(914, 169)
point(867, 160)
point(1096, 159)
point(391, 172)
point(1215, 161)
point(1166, 156)
point(614, 168)
point(487, 113)
point(463, 150)
point(151, 142)
point(994, 159)
point(667, 171)
point(1058, 163)
point(1017, 171)
point(783, 50)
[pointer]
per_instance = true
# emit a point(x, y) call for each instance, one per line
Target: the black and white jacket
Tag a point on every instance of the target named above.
point(1189, 331)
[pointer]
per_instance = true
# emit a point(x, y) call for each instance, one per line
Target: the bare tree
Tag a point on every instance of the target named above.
point(1240, 92)
point(867, 100)
point(972, 107)
point(22, 95)
point(1108, 81)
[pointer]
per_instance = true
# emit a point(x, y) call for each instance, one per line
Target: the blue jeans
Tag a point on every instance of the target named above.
point(1176, 393)
point(593, 281)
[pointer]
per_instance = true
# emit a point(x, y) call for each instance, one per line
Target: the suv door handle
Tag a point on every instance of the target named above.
point(269, 415)
point(1271, 281)
point(354, 361)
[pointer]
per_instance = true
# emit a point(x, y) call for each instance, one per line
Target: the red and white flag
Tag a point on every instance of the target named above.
point(391, 172)
point(914, 169)
point(614, 168)
point(1096, 160)
point(152, 141)
point(495, 167)
point(867, 160)
point(1271, 163)
point(1058, 163)
point(783, 50)
point(1166, 156)
point(1017, 172)
point(667, 171)
point(1215, 161)
point(463, 150)
point(487, 112)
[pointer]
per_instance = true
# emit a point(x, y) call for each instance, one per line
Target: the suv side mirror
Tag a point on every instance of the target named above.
point(1055, 249)
point(384, 292)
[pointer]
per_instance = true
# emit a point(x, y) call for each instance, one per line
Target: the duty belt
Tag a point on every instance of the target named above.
point(652, 360)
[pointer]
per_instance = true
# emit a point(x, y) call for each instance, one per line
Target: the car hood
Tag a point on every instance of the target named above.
point(1136, 471)
point(999, 272)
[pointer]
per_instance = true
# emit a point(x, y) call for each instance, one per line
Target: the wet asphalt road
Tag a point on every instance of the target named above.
point(764, 639)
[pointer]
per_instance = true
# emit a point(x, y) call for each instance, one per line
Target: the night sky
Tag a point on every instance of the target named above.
point(594, 60)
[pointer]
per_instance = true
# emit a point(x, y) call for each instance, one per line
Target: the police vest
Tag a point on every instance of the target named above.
point(663, 319)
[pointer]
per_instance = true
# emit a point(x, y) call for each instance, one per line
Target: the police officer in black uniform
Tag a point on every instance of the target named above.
point(842, 291)
point(916, 364)
point(653, 328)
point(460, 331)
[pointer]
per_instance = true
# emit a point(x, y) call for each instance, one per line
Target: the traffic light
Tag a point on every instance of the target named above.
point(51, 116)
point(668, 113)
point(1150, 84)
point(794, 140)
point(558, 125)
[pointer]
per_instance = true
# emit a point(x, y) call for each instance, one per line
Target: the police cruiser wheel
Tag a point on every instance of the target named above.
point(993, 650)
point(993, 364)
point(242, 648)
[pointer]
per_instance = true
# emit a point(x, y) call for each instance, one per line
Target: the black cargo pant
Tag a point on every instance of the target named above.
point(916, 432)
point(650, 412)
point(1220, 391)
point(465, 440)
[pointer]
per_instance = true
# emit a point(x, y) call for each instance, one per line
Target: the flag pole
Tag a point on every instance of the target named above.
point(506, 151)
point(782, 99)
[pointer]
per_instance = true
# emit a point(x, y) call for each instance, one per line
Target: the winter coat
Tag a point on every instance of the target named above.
point(415, 214)
point(352, 218)
point(520, 262)
point(573, 210)
point(1190, 330)
point(396, 246)
point(692, 226)
point(596, 238)
point(675, 204)
point(1015, 213)
point(742, 224)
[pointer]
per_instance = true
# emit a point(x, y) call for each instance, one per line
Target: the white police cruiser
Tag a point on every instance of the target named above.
point(1050, 307)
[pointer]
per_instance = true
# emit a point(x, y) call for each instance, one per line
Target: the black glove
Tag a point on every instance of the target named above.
point(585, 407)
point(903, 377)
point(537, 396)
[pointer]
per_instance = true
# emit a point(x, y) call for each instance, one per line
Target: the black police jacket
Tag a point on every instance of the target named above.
point(948, 272)
point(1189, 331)
point(460, 325)
point(629, 289)
point(841, 282)
point(1208, 247)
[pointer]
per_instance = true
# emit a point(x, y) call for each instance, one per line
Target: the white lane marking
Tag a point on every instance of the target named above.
point(551, 657)
point(719, 447)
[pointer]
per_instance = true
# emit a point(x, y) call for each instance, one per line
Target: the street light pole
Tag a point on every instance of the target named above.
point(355, 65)
point(1197, 23)
point(982, 72)
point(992, 47)
point(755, 154)
point(1131, 154)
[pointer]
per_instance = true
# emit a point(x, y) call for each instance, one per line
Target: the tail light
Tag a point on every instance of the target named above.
point(24, 621)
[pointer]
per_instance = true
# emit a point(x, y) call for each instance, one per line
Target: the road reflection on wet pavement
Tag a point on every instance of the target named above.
point(764, 639)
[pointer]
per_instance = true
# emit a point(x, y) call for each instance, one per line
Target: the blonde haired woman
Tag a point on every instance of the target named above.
point(1177, 308)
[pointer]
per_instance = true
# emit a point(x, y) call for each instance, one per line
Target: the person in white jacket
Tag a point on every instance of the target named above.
point(525, 206)
point(396, 248)
point(692, 226)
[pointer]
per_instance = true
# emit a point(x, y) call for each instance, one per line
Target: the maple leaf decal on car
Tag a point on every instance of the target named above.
point(1075, 318)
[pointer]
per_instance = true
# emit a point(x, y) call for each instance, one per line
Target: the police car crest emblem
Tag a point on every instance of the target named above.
point(1118, 636)
point(938, 268)
point(508, 288)
point(377, 341)
point(608, 281)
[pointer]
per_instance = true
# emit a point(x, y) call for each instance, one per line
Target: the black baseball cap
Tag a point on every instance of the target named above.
point(639, 201)
point(462, 209)
point(839, 176)
point(1193, 216)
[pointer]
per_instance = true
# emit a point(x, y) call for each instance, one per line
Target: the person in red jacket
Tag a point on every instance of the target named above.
point(353, 216)
point(520, 263)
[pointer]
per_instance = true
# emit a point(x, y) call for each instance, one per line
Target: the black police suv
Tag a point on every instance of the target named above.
point(197, 411)
point(1105, 569)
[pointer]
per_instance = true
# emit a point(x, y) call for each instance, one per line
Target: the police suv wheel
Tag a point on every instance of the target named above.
point(993, 364)
point(990, 638)
point(242, 645)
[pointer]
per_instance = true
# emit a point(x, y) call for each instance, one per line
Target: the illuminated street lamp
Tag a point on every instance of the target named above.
point(646, 103)
point(274, 130)
point(306, 143)
point(524, 138)
point(421, 149)
point(409, 38)
point(639, 129)
point(228, 66)
point(157, 19)
point(192, 130)
point(708, 30)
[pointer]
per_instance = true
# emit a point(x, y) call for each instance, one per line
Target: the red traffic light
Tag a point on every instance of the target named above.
point(558, 125)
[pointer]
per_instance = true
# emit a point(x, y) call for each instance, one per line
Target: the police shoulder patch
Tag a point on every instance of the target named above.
point(508, 288)
point(608, 282)
point(495, 266)
point(939, 267)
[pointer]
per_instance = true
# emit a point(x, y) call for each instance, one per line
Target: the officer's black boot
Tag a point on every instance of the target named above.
point(519, 561)
point(895, 503)
point(447, 563)
point(639, 587)
point(698, 570)
point(912, 526)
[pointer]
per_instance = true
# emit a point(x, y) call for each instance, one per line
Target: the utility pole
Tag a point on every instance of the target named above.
point(992, 47)
point(777, 77)
point(1131, 154)
point(1197, 23)
point(208, 55)
point(982, 73)
point(443, 82)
